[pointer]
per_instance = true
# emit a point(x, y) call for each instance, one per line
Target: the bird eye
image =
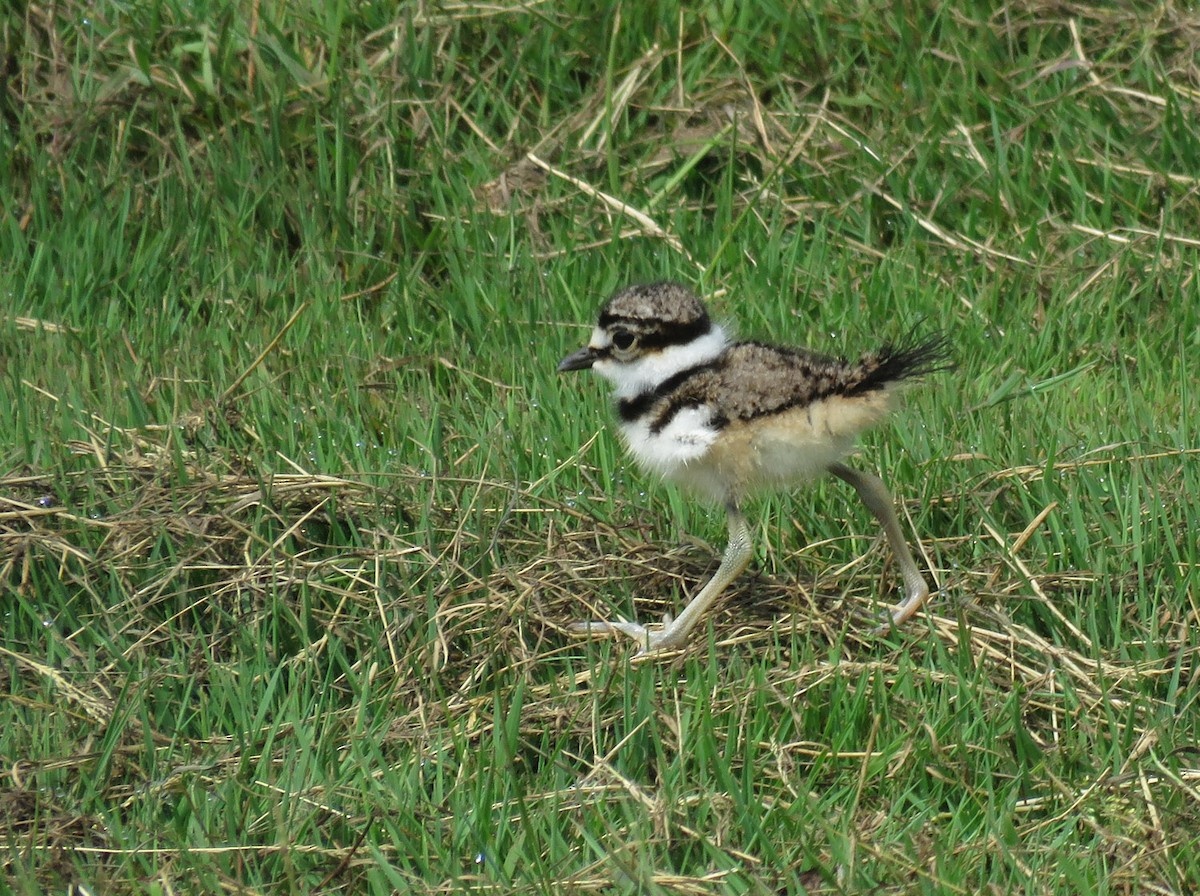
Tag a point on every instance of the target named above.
point(623, 339)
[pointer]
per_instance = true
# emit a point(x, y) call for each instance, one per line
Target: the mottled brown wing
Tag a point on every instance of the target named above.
point(757, 380)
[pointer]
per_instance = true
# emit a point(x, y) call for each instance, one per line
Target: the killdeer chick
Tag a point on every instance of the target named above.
point(726, 419)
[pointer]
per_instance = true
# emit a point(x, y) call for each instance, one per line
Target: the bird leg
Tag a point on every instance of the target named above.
point(672, 634)
point(871, 489)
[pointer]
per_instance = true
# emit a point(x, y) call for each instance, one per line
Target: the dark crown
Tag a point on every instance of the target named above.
point(662, 314)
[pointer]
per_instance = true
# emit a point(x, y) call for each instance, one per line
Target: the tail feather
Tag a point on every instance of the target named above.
point(907, 359)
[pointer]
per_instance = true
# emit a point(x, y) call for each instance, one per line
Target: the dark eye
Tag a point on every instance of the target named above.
point(623, 339)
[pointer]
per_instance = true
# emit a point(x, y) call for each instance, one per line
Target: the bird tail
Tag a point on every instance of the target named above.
point(906, 359)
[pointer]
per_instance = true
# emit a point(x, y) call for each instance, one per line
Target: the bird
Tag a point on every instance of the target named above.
point(727, 419)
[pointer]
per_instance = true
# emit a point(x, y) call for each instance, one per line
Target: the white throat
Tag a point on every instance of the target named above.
point(632, 378)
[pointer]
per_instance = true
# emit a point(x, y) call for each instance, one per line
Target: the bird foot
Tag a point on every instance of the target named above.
point(881, 621)
point(652, 639)
point(886, 620)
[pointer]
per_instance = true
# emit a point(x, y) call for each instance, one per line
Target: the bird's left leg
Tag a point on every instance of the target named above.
point(871, 489)
point(673, 633)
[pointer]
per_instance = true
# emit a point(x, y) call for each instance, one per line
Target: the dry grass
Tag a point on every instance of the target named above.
point(501, 621)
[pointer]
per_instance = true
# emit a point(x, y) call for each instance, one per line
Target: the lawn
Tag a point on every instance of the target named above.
point(295, 510)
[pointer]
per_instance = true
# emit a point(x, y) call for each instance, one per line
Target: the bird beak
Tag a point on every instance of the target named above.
point(580, 360)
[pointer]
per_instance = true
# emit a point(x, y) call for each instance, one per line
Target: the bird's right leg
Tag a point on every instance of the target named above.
point(871, 489)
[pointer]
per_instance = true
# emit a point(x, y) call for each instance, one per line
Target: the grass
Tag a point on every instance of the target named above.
point(294, 508)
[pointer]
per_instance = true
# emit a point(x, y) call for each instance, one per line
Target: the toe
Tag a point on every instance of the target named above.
point(616, 627)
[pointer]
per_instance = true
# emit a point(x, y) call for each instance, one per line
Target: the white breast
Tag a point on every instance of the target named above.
point(685, 439)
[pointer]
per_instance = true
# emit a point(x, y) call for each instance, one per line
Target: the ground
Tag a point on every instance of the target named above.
point(294, 510)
